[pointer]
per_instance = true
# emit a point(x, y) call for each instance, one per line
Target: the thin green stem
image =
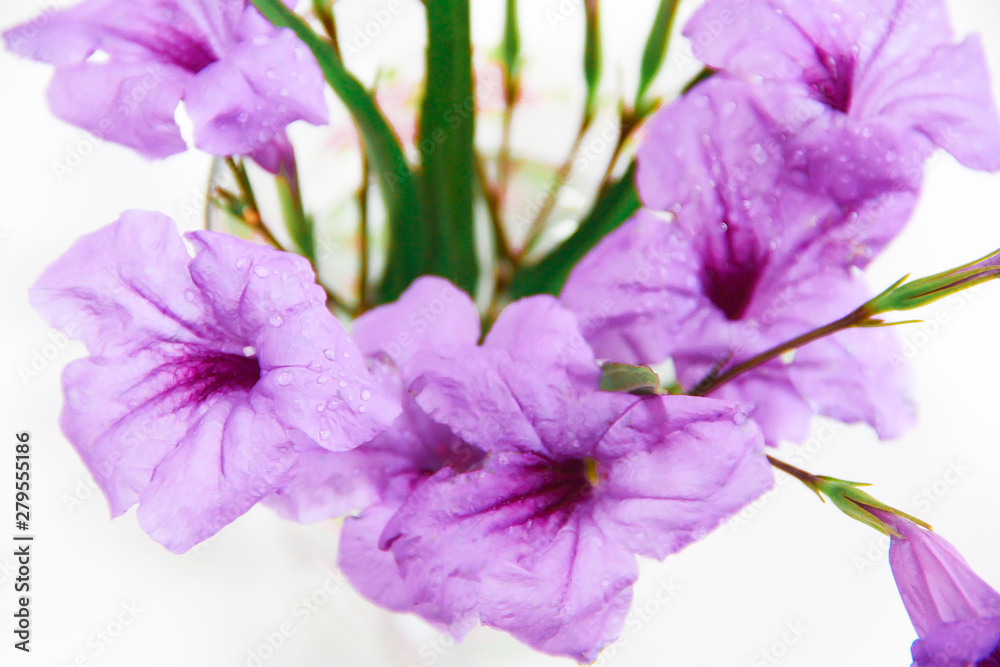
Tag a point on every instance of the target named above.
point(325, 15)
point(250, 211)
point(562, 175)
point(806, 478)
point(712, 382)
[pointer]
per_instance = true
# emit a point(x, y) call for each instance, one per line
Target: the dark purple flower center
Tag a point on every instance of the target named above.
point(834, 83)
point(178, 43)
point(730, 273)
point(556, 488)
point(206, 373)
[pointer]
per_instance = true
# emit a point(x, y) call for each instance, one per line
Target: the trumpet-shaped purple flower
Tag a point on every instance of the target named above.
point(122, 67)
point(955, 613)
point(206, 377)
point(750, 252)
point(376, 477)
point(833, 68)
point(539, 537)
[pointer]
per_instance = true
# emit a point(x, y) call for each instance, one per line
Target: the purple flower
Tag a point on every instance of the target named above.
point(207, 375)
point(747, 253)
point(539, 537)
point(955, 613)
point(122, 67)
point(378, 476)
point(881, 68)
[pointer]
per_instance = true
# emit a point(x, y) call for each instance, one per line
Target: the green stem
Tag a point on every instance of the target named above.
point(806, 478)
point(552, 196)
point(713, 382)
point(250, 212)
point(362, 197)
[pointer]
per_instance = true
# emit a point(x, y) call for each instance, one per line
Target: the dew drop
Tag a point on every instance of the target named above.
point(320, 407)
point(275, 320)
point(249, 351)
point(261, 272)
point(329, 354)
point(284, 378)
point(365, 395)
point(324, 435)
point(341, 384)
point(189, 294)
point(361, 408)
point(322, 379)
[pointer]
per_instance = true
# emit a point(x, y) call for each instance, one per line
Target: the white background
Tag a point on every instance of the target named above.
point(787, 562)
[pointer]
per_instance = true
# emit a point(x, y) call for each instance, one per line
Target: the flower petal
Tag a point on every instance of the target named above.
point(124, 287)
point(310, 368)
point(676, 467)
point(229, 459)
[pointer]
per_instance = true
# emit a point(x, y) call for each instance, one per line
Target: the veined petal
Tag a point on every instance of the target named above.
point(229, 459)
point(125, 286)
point(674, 468)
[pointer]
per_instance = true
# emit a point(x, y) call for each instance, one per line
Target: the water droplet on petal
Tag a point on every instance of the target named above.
point(320, 407)
point(361, 408)
point(322, 379)
point(324, 435)
point(189, 294)
point(329, 354)
point(249, 351)
point(275, 320)
point(341, 384)
point(261, 272)
point(365, 395)
point(284, 378)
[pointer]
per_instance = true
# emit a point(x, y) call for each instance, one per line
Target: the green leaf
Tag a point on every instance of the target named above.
point(381, 143)
point(629, 379)
point(656, 48)
point(616, 205)
point(592, 55)
point(445, 138)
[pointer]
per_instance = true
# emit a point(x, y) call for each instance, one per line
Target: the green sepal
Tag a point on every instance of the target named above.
point(923, 291)
point(853, 502)
point(640, 380)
